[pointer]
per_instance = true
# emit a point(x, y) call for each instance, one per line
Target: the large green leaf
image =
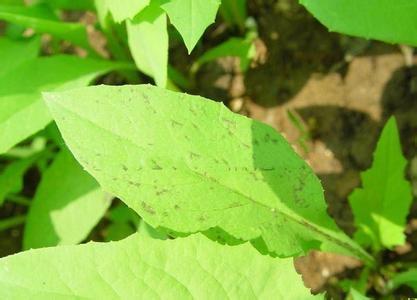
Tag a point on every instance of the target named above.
point(125, 9)
point(148, 42)
point(22, 111)
point(191, 18)
point(381, 205)
point(67, 205)
point(13, 53)
point(385, 20)
point(143, 268)
point(189, 164)
point(34, 17)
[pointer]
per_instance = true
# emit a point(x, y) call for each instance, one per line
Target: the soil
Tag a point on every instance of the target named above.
point(329, 95)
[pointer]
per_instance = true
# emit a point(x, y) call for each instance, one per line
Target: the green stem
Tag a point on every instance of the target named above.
point(11, 222)
point(18, 200)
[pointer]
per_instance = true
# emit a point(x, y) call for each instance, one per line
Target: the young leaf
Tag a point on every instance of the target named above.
point(144, 268)
point(22, 111)
point(13, 53)
point(407, 278)
point(67, 205)
point(238, 47)
point(189, 164)
point(381, 205)
point(385, 20)
point(191, 18)
point(126, 9)
point(148, 42)
point(11, 178)
point(34, 17)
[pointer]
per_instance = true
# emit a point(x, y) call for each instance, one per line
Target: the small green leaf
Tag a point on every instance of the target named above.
point(355, 295)
point(405, 278)
point(381, 205)
point(126, 9)
point(13, 53)
point(189, 164)
point(11, 178)
point(385, 20)
point(144, 268)
point(238, 47)
point(22, 111)
point(148, 42)
point(67, 205)
point(191, 18)
point(34, 17)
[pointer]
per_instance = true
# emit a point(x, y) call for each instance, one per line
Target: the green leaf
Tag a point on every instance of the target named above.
point(11, 178)
point(405, 278)
point(126, 9)
point(67, 205)
point(191, 18)
point(22, 111)
point(355, 295)
point(238, 47)
point(160, 152)
point(34, 17)
point(70, 4)
point(102, 11)
point(13, 53)
point(381, 205)
point(148, 42)
point(234, 12)
point(140, 267)
point(124, 223)
point(385, 20)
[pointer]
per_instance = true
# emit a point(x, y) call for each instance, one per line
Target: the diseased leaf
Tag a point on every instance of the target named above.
point(11, 178)
point(13, 53)
point(140, 267)
point(34, 17)
point(126, 9)
point(67, 205)
point(385, 20)
point(405, 278)
point(244, 49)
point(189, 164)
point(191, 18)
point(148, 42)
point(22, 111)
point(381, 205)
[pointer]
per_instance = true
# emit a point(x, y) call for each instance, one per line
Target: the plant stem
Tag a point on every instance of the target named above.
point(18, 200)
point(11, 222)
